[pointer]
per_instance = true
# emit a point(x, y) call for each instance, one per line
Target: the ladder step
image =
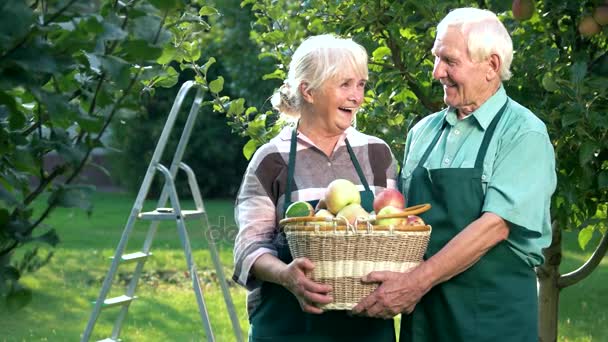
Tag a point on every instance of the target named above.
point(120, 300)
point(167, 214)
point(133, 256)
point(109, 339)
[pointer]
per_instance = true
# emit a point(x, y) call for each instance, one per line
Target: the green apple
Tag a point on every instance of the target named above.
point(323, 213)
point(352, 212)
point(299, 209)
point(390, 221)
point(339, 194)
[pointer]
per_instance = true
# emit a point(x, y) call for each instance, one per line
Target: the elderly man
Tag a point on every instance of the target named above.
point(487, 167)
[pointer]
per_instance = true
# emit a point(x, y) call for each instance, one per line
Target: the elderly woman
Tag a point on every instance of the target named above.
point(324, 89)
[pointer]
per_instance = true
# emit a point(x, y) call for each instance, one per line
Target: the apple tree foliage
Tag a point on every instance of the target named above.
point(68, 68)
point(560, 74)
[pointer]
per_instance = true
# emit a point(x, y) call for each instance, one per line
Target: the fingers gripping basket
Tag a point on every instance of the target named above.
point(343, 253)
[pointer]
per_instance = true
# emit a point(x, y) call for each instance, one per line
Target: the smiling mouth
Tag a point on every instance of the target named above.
point(346, 109)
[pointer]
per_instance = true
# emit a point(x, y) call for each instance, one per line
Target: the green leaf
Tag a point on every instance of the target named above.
point(145, 28)
point(549, 83)
point(249, 149)
point(207, 65)
point(15, 20)
point(237, 107)
point(216, 85)
point(584, 236)
point(140, 50)
point(578, 72)
point(380, 53)
point(51, 238)
point(169, 78)
point(602, 180)
point(208, 11)
point(586, 152)
point(112, 32)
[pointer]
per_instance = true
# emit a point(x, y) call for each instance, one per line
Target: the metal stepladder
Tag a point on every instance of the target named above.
point(163, 213)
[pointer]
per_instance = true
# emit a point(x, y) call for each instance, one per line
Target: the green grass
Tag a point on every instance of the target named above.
point(166, 309)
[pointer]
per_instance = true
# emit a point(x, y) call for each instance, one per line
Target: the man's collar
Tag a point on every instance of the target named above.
point(485, 113)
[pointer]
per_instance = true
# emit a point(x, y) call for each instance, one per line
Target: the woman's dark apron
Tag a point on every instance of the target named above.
point(495, 299)
point(279, 316)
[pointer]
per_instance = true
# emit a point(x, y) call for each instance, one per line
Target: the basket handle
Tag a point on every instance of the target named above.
point(413, 210)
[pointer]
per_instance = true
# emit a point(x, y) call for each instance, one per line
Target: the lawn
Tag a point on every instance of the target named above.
point(166, 308)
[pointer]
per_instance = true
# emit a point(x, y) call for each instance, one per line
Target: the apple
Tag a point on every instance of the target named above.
point(414, 220)
point(321, 205)
point(299, 209)
point(323, 213)
point(588, 27)
point(353, 212)
point(392, 197)
point(390, 221)
point(341, 193)
point(601, 15)
point(522, 9)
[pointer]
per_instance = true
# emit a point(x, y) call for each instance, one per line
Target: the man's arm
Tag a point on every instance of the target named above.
point(400, 292)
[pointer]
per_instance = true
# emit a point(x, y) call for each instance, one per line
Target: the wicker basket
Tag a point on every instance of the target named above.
point(343, 253)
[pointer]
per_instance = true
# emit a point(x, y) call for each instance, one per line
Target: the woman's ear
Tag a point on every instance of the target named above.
point(306, 92)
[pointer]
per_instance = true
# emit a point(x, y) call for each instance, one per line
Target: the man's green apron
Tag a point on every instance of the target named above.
point(495, 299)
point(279, 316)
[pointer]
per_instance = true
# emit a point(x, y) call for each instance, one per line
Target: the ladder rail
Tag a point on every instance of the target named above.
point(196, 194)
point(183, 235)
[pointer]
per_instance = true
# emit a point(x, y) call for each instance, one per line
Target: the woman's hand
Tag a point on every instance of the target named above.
point(309, 294)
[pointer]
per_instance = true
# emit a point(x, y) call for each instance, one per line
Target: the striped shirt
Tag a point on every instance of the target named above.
point(259, 205)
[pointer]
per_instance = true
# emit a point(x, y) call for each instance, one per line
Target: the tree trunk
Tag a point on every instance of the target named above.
point(548, 297)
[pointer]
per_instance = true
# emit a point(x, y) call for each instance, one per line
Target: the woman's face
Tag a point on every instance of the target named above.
point(337, 100)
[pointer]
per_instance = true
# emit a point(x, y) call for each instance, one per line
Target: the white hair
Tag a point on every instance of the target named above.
point(316, 60)
point(484, 33)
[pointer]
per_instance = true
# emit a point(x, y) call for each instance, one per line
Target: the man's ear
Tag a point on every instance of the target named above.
point(306, 92)
point(494, 64)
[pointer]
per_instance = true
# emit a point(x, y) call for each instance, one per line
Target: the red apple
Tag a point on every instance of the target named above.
point(588, 27)
point(321, 205)
point(388, 197)
point(522, 9)
point(414, 220)
point(390, 221)
point(340, 193)
point(601, 15)
point(352, 212)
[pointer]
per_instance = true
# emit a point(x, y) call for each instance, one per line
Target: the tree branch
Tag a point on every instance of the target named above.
point(43, 183)
point(583, 271)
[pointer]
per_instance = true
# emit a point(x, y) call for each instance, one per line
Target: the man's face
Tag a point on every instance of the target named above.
point(465, 83)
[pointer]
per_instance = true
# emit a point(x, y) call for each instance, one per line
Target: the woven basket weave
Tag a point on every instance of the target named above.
point(343, 253)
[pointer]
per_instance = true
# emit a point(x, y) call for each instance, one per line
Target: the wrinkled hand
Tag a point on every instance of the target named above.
point(308, 293)
point(397, 293)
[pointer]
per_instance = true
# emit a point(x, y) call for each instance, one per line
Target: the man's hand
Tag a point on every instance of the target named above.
point(397, 293)
point(309, 294)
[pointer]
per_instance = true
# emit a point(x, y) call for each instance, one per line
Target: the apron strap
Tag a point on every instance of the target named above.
point(433, 143)
point(481, 154)
point(290, 169)
point(357, 166)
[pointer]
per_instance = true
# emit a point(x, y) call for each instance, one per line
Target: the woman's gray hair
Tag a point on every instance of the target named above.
point(316, 60)
point(484, 33)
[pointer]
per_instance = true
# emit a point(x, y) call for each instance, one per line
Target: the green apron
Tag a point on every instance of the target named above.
point(495, 299)
point(279, 317)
